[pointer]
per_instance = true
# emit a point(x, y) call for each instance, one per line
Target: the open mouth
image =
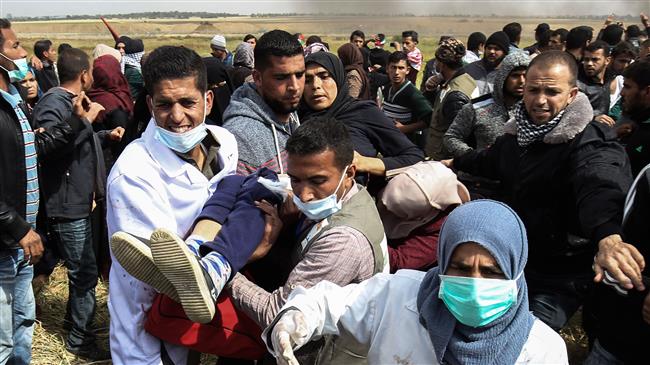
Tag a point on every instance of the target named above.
point(180, 128)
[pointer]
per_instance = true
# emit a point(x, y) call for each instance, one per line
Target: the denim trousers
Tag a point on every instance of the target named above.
point(73, 238)
point(17, 308)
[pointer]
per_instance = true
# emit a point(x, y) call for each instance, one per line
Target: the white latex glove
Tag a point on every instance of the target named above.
point(289, 332)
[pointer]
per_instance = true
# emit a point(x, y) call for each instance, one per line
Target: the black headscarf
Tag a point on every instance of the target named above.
point(217, 74)
point(343, 100)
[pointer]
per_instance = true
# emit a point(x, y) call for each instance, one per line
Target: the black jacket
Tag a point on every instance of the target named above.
point(597, 93)
point(13, 226)
point(68, 181)
point(568, 189)
point(46, 77)
point(621, 329)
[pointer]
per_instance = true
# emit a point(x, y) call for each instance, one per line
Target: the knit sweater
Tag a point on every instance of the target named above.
point(479, 123)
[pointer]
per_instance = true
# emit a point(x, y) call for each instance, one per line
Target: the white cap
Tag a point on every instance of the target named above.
point(218, 42)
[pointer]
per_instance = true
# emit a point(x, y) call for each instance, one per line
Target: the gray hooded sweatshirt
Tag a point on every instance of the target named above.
point(261, 138)
point(480, 122)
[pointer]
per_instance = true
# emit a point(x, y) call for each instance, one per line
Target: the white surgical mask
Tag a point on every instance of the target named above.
point(22, 68)
point(320, 209)
point(183, 142)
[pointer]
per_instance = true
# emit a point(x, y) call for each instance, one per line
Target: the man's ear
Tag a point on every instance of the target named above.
point(572, 94)
point(408, 68)
point(257, 78)
point(209, 99)
point(150, 104)
point(352, 171)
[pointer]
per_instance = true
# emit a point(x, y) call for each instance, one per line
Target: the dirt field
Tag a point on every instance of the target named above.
point(196, 33)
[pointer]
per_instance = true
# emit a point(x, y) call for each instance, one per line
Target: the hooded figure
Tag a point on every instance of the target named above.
point(220, 84)
point(372, 133)
point(133, 53)
point(483, 70)
point(413, 206)
point(496, 228)
point(450, 315)
point(111, 90)
point(243, 64)
point(479, 123)
point(352, 59)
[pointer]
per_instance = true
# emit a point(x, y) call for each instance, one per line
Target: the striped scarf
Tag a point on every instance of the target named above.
point(529, 132)
point(31, 162)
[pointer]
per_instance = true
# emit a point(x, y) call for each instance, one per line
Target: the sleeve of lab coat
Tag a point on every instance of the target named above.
point(331, 310)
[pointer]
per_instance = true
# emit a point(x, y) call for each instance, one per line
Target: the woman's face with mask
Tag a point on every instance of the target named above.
point(320, 87)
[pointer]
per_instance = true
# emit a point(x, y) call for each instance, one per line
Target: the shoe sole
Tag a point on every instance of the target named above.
point(181, 267)
point(135, 257)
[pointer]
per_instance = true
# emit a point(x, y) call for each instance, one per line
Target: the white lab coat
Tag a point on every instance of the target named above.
point(150, 187)
point(381, 314)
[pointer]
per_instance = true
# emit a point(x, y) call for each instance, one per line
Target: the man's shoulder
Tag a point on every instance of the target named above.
point(124, 165)
point(55, 98)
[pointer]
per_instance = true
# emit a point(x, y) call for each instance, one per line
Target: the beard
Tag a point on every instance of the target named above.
point(636, 110)
point(280, 107)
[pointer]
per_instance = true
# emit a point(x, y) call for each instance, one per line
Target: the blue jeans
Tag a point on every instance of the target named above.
point(17, 308)
point(74, 241)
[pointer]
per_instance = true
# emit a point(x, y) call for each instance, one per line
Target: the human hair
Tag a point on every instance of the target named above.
point(249, 37)
point(612, 34)
point(397, 56)
point(62, 47)
point(513, 30)
point(4, 24)
point(475, 40)
point(549, 59)
point(313, 39)
point(578, 37)
point(410, 33)
point(276, 43)
point(633, 31)
point(560, 32)
point(357, 33)
point(42, 46)
point(624, 48)
point(71, 63)
point(173, 63)
point(320, 134)
point(544, 39)
point(597, 45)
point(639, 72)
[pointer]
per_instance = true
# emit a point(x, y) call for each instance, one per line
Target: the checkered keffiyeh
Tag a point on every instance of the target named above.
point(527, 131)
point(133, 59)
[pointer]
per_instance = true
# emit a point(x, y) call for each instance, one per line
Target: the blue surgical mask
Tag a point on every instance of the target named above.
point(320, 209)
point(22, 68)
point(182, 142)
point(476, 302)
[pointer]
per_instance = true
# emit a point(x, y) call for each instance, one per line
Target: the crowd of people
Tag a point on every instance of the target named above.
point(285, 203)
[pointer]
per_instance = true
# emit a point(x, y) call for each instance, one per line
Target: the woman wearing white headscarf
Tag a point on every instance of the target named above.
point(472, 309)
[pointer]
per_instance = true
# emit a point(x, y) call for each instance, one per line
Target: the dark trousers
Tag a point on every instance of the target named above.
point(74, 241)
point(555, 298)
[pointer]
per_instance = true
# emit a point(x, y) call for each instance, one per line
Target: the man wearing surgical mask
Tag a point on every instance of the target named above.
point(339, 237)
point(20, 245)
point(471, 309)
point(162, 179)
